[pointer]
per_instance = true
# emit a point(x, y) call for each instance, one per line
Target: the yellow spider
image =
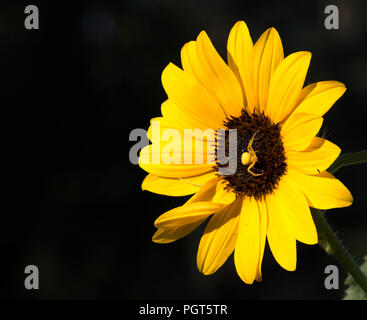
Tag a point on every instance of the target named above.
point(250, 157)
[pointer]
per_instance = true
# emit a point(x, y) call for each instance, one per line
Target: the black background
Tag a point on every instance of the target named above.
point(72, 91)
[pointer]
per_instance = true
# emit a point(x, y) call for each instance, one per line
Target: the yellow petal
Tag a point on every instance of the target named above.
point(180, 146)
point(219, 239)
point(247, 251)
point(268, 53)
point(322, 191)
point(222, 194)
point(281, 242)
point(318, 157)
point(206, 193)
point(159, 126)
point(295, 212)
point(170, 234)
point(175, 187)
point(192, 97)
point(202, 61)
point(263, 210)
point(319, 97)
point(187, 214)
point(176, 117)
point(286, 85)
point(164, 124)
point(214, 190)
point(299, 131)
point(172, 170)
point(239, 56)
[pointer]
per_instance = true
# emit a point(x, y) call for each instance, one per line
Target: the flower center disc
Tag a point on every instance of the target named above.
point(261, 160)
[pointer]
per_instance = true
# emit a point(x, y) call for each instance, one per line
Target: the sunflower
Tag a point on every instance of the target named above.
point(281, 162)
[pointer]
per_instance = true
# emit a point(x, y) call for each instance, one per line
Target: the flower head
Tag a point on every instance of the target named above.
point(280, 162)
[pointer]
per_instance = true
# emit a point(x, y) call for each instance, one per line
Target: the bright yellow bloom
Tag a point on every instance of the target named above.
point(281, 162)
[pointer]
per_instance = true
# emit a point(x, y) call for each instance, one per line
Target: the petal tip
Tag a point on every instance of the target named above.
point(273, 31)
point(202, 35)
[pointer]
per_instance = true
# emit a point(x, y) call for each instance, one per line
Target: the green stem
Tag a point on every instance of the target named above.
point(331, 244)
